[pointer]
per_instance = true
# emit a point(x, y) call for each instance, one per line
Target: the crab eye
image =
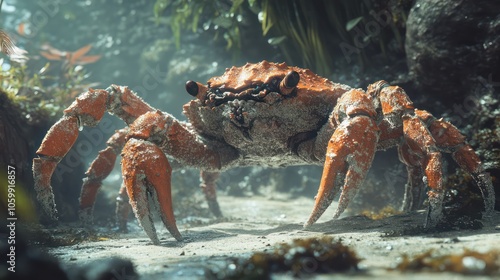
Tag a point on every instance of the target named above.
point(192, 88)
point(291, 79)
point(289, 83)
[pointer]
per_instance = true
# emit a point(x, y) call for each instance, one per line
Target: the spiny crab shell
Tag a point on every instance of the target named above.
point(251, 109)
point(236, 79)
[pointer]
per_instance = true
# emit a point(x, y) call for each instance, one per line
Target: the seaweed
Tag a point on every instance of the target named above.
point(302, 256)
point(304, 31)
point(381, 214)
point(469, 263)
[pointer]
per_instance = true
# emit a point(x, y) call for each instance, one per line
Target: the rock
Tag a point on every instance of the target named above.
point(450, 43)
point(21, 261)
point(107, 269)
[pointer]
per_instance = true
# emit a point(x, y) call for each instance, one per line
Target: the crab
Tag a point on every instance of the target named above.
point(267, 114)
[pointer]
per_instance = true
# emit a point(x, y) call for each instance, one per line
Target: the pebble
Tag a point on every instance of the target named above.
point(452, 240)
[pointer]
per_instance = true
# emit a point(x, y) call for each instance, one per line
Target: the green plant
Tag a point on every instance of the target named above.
point(223, 17)
point(317, 30)
point(309, 33)
point(41, 94)
point(299, 24)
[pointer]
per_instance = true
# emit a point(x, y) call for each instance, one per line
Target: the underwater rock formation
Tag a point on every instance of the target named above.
point(450, 43)
point(14, 146)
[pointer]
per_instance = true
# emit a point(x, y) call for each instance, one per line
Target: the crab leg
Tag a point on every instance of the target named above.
point(144, 180)
point(86, 110)
point(419, 149)
point(448, 138)
point(470, 162)
point(100, 168)
point(413, 196)
point(64, 133)
point(208, 186)
point(349, 155)
point(122, 208)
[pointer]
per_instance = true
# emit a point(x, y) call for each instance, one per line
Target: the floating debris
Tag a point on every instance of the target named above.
point(302, 256)
point(78, 57)
point(8, 47)
point(469, 262)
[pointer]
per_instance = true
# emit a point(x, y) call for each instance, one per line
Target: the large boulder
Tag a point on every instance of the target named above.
point(450, 43)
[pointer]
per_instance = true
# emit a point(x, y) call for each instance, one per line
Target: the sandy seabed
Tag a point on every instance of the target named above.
point(255, 224)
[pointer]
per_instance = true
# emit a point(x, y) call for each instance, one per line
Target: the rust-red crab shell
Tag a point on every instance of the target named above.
point(239, 78)
point(269, 122)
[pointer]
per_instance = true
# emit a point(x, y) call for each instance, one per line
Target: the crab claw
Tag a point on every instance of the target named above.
point(349, 154)
point(348, 158)
point(147, 174)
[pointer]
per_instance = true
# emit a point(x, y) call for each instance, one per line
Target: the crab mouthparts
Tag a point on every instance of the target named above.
point(216, 97)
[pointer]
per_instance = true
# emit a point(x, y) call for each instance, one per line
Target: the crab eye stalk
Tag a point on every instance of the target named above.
point(197, 90)
point(289, 83)
point(192, 88)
